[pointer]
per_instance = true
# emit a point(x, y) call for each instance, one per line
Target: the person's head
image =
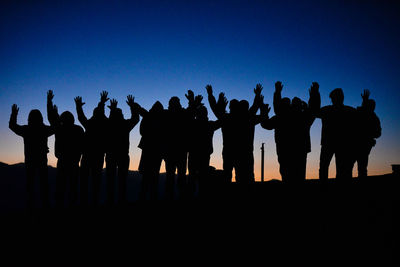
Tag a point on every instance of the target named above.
point(337, 97)
point(285, 105)
point(202, 113)
point(174, 104)
point(243, 106)
point(66, 118)
point(97, 113)
point(35, 118)
point(233, 106)
point(116, 114)
point(296, 104)
point(157, 107)
point(370, 105)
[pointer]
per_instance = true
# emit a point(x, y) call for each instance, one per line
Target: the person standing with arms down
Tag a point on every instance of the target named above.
point(67, 149)
point(35, 136)
point(94, 148)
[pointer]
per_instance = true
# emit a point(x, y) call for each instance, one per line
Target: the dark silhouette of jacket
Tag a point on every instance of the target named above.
point(68, 150)
point(35, 136)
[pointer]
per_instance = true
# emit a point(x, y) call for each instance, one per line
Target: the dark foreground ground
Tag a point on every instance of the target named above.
point(350, 224)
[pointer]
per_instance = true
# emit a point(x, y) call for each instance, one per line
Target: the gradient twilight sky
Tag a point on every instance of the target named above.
point(158, 49)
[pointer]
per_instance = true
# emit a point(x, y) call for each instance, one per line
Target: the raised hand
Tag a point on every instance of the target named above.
point(50, 95)
point(104, 97)
point(314, 88)
point(209, 89)
point(278, 86)
point(265, 109)
point(14, 109)
point(78, 101)
point(55, 109)
point(222, 100)
point(130, 100)
point(190, 96)
point(258, 89)
point(198, 99)
point(113, 104)
point(365, 94)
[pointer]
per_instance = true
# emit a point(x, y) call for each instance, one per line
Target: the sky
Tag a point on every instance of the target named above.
point(158, 49)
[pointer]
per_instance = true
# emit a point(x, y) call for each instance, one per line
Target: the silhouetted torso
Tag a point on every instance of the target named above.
point(118, 135)
point(338, 125)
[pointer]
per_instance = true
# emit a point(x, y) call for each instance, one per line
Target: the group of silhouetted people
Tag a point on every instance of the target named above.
point(183, 138)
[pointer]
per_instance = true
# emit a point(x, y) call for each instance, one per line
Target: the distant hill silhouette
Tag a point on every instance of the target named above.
point(13, 186)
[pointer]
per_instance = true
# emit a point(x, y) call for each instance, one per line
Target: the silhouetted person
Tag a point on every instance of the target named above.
point(246, 122)
point(177, 130)
point(369, 128)
point(201, 147)
point(152, 144)
point(338, 134)
point(117, 155)
point(94, 148)
point(292, 123)
point(68, 150)
point(237, 133)
point(35, 136)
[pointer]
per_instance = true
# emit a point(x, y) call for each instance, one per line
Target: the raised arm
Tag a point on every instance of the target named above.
point(142, 111)
point(52, 111)
point(79, 110)
point(103, 99)
point(212, 101)
point(257, 99)
point(277, 96)
point(314, 102)
point(365, 97)
point(12, 124)
point(113, 105)
point(130, 100)
point(266, 122)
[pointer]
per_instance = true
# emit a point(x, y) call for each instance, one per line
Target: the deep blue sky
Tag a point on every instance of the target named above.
point(157, 49)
